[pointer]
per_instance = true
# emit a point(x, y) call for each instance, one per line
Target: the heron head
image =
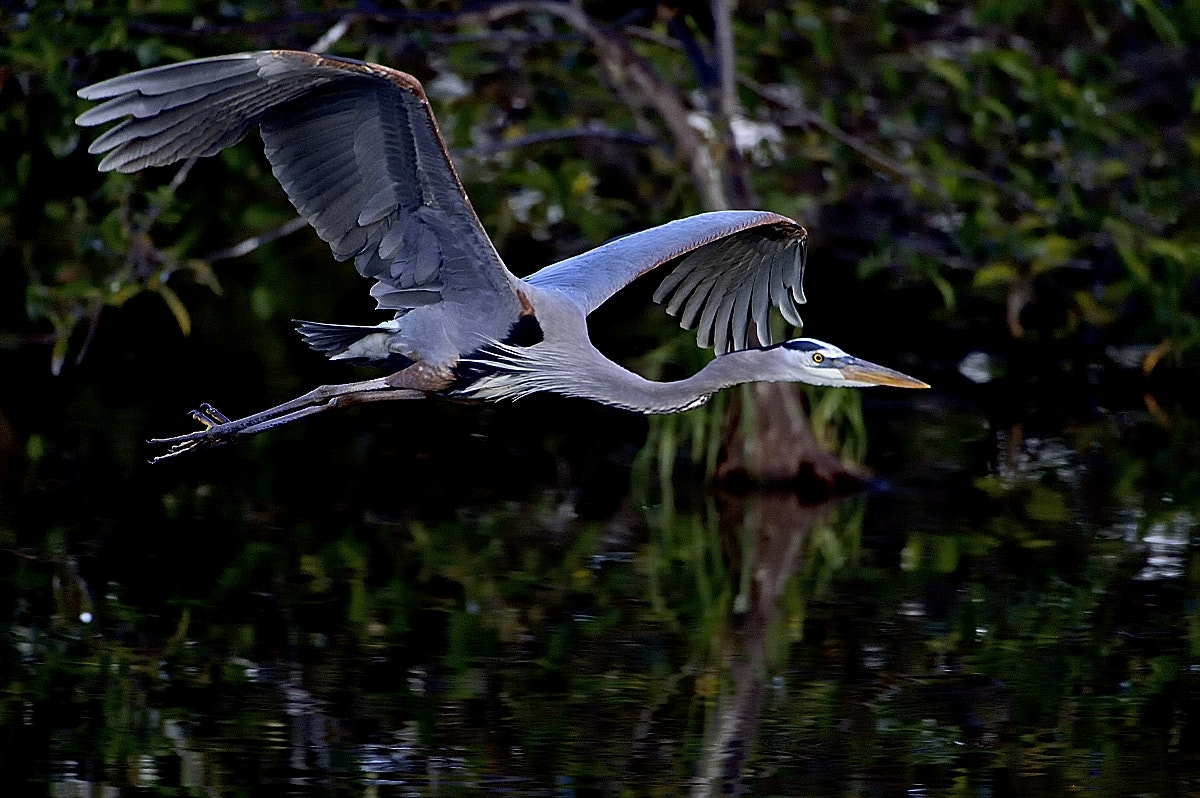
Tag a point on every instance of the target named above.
point(818, 363)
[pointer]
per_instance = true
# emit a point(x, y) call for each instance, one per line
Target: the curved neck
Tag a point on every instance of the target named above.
point(633, 392)
point(600, 379)
point(512, 372)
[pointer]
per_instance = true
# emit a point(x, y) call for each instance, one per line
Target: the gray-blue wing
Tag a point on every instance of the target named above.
point(730, 267)
point(354, 145)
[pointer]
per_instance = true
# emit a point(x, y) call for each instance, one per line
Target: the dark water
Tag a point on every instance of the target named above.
point(433, 599)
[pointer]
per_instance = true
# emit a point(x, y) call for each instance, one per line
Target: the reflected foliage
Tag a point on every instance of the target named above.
point(968, 641)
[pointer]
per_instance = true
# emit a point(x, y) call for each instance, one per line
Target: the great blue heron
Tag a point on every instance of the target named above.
point(357, 150)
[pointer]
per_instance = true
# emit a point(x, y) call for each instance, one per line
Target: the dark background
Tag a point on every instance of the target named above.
point(550, 596)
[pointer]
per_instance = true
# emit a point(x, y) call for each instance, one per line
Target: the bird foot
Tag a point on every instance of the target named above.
point(218, 429)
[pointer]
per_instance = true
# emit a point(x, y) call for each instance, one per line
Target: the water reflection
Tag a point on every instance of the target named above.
point(1166, 544)
point(1014, 615)
point(774, 531)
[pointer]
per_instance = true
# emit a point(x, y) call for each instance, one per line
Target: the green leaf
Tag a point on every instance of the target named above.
point(1162, 24)
point(1014, 64)
point(997, 108)
point(995, 273)
point(1168, 249)
point(1051, 251)
point(950, 72)
point(1095, 313)
point(24, 167)
point(1133, 262)
point(263, 302)
point(123, 293)
point(1047, 505)
point(1113, 169)
point(58, 355)
point(175, 304)
point(944, 288)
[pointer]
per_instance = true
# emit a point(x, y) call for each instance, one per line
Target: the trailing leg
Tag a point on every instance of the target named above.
point(219, 428)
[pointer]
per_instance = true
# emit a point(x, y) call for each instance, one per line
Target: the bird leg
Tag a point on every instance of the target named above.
point(219, 428)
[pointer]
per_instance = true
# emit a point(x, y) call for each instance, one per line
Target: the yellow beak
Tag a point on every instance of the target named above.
point(862, 371)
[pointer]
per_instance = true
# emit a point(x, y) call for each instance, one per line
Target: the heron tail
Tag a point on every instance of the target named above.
point(332, 339)
point(351, 342)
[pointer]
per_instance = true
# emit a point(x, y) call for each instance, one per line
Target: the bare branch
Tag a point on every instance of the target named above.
point(254, 242)
point(727, 104)
point(737, 179)
point(627, 68)
point(332, 36)
point(11, 340)
point(803, 117)
point(155, 210)
point(93, 316)
point(530, 139)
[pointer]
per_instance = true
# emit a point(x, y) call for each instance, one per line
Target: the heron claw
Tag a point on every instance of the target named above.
point(211, 415)
point(216, 432)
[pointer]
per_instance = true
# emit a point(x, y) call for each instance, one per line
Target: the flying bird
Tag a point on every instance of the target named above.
point(357, 150)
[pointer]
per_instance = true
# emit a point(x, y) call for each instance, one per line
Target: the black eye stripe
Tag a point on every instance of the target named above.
point(801, 346)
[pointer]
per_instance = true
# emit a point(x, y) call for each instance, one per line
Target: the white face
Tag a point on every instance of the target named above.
point(818, 363)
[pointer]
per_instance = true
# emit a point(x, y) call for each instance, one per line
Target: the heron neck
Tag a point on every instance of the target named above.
point(614, 385)
point(511, 372)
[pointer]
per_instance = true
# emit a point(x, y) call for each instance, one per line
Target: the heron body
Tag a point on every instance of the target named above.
point(357, 150)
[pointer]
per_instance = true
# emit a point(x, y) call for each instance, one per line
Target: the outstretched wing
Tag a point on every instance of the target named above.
point(354, 145)
point(729, 268)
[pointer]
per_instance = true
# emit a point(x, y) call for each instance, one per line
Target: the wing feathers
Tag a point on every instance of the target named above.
point(356, 149)
point(695, 304)
point(721, 288)
point(708, 331)
point(740, 323)
point(142, 105)
point(354, 146)
point(377, 207)
point(172, 77)
point(680, 286)
point(728, 268)
point(760, 302)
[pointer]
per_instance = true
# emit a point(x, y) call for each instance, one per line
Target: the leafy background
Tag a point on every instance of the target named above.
point(1002, 201)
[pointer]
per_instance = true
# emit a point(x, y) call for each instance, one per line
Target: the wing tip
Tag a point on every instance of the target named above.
point(782, 245)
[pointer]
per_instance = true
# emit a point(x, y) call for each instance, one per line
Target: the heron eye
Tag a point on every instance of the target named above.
point(818, 357)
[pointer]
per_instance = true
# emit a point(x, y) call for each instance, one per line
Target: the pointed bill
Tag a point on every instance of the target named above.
point(863, 371)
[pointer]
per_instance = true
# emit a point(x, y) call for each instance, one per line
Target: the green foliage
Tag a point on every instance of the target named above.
point(83, 244)
point(1041, 170)
point(1004, 168)
point(1040, 156)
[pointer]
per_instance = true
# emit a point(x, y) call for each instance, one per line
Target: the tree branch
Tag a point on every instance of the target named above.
point(627, 68)
point(804, 117)
point(529, 139)
point(332, 36)
point(160, 205)
point(737, 180)
point(246, 246)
